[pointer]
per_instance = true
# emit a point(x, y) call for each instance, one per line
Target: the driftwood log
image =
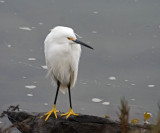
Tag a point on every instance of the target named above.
point(31, 123)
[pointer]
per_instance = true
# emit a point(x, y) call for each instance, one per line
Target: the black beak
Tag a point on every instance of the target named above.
point(81, 43)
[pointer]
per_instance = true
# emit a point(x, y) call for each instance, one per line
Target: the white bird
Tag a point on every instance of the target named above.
point(62, 54)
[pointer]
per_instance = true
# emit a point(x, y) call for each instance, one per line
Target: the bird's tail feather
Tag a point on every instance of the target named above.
point(63, 89)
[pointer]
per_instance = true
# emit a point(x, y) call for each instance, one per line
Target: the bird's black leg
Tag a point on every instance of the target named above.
point(70, 110)
point(69, 91)
point(58, 85)
point(53, 110)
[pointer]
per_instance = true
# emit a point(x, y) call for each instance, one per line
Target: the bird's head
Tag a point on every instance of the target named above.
point(66, 35)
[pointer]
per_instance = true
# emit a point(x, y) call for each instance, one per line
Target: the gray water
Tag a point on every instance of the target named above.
point(126, 61)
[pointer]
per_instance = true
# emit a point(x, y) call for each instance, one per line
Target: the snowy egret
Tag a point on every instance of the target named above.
point(62, 53)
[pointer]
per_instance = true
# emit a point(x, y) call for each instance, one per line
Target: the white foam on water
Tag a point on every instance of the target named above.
point(95, 12)
point(84, 83)
point(96, 100)
point(40, 23)
point(9, 46)
point(44, 67)
point(132, 99)
point(30, 86)
point(151, 86)
point(45, 104)
point(112, 78)
point(106, 103)
point(2, 1)
point(94, 32)
point(31, 59)
point(30, 95)
point(25, 28)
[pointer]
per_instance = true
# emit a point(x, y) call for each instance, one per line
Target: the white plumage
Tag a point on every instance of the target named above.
point(62, 53)
point(62, 56)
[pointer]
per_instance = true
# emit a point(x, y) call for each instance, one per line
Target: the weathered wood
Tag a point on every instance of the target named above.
point(31, 123)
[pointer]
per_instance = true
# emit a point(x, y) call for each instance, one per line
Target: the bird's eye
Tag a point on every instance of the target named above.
point(70, 38)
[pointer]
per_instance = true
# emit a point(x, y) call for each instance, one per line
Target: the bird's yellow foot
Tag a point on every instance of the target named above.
point(50, 112)
point(69, 113)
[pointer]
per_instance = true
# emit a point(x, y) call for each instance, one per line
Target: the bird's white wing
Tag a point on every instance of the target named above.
point(76, 53)
point(62, 62)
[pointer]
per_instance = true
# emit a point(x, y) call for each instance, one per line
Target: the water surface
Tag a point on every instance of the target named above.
point(125, 62)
